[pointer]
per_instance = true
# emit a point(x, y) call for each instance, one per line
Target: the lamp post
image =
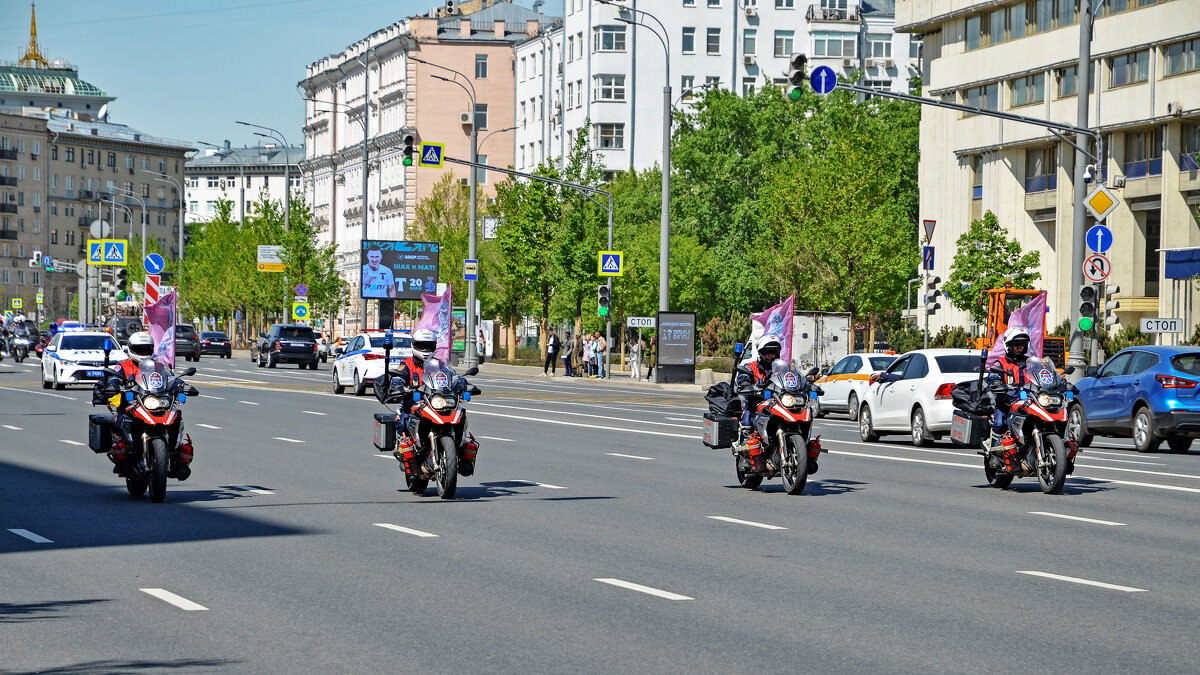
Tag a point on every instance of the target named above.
point(170, 180)
point(142, 202)
point(223, 152)
point(287, 179)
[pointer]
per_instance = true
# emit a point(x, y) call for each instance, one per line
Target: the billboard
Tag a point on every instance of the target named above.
point(401, 270)
point(676, 339)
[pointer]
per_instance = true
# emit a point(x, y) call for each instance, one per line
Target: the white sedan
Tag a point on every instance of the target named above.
point(913, 395)
point(77, 357)
point(847, 380)
point(362, 360)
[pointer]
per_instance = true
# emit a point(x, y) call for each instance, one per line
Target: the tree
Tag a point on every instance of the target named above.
point(444, 216)
point(986, 259)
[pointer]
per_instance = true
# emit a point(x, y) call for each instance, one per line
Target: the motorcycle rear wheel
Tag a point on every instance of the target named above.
point(157, 458)
point(795, 468)
point(136, 486)
point(416, 485)
point(1052, 465)
point(447, 476)
point(746, 479)
point(995, 478)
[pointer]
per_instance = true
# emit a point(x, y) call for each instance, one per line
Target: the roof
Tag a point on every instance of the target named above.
point(51, 82)
point(515, 18)
point(250, 156)
point(114, 132)
point(885, 7)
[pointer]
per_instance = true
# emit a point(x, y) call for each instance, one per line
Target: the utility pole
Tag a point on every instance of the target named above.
point(1075, 356)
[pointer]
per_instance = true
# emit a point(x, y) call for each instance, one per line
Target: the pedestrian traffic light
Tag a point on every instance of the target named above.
point(122, 284)
point(932, 294)
point(1087, 307)
point(603, 300)
point(797, 74)
point(1110, 306)
point(409, 140)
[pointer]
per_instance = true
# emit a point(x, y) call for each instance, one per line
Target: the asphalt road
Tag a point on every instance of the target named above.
point(597, 535)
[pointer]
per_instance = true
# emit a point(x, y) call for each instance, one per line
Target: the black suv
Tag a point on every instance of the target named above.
point(121, 327)
point(216, 342)
point(187, 342)
point(286, 343)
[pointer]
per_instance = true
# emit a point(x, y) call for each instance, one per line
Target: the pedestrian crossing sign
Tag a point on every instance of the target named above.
point(611, 264)
point(107, 251)
point(433, 155)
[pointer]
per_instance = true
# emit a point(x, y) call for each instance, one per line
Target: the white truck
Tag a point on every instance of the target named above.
point(820, 338)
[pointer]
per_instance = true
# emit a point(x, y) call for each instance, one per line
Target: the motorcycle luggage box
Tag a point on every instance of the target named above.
point(967, 429)
point(722, 401)
point(385, 431)
point(100, 431)
point(719, 431)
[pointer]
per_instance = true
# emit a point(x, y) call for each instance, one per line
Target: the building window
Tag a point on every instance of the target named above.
point(213, 182)
point(609, 88)
point(481, 66)
point(986, 97)
point(1068, 83)
point(481, 121)
point(1129, 68)
point(714, 41)
point(785, 41)
point(70, 154)
point(1143, 153)
point(747, 86)
point(1041, 171)
point(610, 136)
point(128, 161)
point(689, 3)
point(54, 152)
point(687, 85)
point(1189, 146)
point(714, 3)
point(145, 164)
point(1182, 57)
point(1028, 90)
point(712, 82)
point(578, 93)
point(879, 46)
point(211, 206)
point(608, 39)
point(480, 173)
point(785, 4)
point(162, 166)
point(53, 236)
point(914, 49)
point(689, 40)
point(112, 160)
point(194, 206)
point(750, 41)
point(976, 176)
point(91, 157)
point(834, 44)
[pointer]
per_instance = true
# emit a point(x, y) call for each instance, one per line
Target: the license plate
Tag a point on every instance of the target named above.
point(397, 360)
point(93, 373)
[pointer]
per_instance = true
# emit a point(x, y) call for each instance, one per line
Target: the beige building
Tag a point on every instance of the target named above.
point(1020, 57)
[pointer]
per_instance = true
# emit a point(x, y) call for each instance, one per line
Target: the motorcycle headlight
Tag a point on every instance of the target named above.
point(1048, 400)
point(438, 402)
point(787, 400)
point(156, 402)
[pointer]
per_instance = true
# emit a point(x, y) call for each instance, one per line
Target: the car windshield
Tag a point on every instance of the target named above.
point(186, 331)
point(296, 333)
point(438, 376)
point(153, 375)
point(958, 363)
point(214, 336)
point(1188, 363)
point(881, 362)
point(398, 341)
point(95, 342)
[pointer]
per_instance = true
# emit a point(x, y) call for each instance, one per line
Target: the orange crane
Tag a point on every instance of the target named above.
point(1001, 303)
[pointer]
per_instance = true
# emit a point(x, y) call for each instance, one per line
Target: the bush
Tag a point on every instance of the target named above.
point(950, 337)
point(905, 338)
point(1129, 336)
point(718, 364)
point(719, 336)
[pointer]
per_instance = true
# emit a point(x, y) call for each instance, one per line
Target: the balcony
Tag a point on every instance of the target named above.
point(830, 14)
point(8, 154)
point(9, 181)
point(85, 195)
point(8, 208)
point(8, 234)
point(84, 221)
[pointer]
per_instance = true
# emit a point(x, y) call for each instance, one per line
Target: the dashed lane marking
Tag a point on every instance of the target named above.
point(9, 426)
point(617, 454)
point(1086, 582)
point(537, 484)
point(405, 530)
point(287, 440)
point(751, 523)
point(313, 412)
point(251, 488)
point(1066, 517)
point(691, 437)
point(207, 426)
point(69, 442)
point(35, 538)
point(218, 398)
point(495, 438)
point(177, 600)
point(248, 402)
point(657, 592)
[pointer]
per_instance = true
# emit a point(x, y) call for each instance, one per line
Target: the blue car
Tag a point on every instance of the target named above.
point(1148, 393)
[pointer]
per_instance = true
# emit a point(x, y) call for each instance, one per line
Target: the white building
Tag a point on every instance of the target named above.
point(237, 174)
point(597, 67)
point(1021, 57)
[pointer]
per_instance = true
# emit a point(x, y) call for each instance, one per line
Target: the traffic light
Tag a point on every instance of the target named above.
point(409, 140)
point(1110, 306)
point(122, 283)
point(797, 74)
point(1087, 307)
point(603, 300)
point(932, 294)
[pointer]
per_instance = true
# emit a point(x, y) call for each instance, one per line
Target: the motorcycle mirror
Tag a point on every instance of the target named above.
point(1068, 370)
point(472, 371)
point(739, 348)
point(474, 391)
point(192, 391)
point(996, 369)
point(812, 372)
point(188, 373)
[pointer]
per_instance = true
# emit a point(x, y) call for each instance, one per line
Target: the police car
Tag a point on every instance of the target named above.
point(362, 360)
point(76, 356)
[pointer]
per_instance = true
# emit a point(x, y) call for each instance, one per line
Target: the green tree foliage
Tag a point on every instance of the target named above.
point(955, 337)
point(1129, 336)
point(445, 217)
point(985, 259)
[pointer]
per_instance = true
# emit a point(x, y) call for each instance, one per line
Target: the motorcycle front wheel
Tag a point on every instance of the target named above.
point(1052, 464)
point(447, 475)
point(795, 467)
point(156, 456)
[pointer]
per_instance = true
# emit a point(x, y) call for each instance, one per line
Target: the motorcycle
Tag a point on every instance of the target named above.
point(143, 435)
point(436, 444)
point(19, 348)
point(1037, 444)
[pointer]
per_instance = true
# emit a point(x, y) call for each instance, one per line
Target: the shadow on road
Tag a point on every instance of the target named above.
point(495, 489)
point(17, 612)
point(815, 488)
point(116, 666)
point(1073, 486)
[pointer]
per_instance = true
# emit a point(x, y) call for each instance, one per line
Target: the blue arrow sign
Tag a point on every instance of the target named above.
point(47, 260)
point(927, 258)
point(153, 263)
point(1099, 238)
point(823, 79)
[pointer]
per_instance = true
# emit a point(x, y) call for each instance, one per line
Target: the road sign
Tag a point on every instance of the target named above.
point(1099, 238)
point(8, 315)
point(823, 79)
point(152, 288)
point(929, 225)
point(927, 258)
point(100, 229)
point(432, 155)
point(1101, 202)
point(1096, 267)
point(153, 263)
point(611, 264)
point(470, 270)
point(106, 251)
point(268, 259)
point(16, 303)
point(641, 321)
point(47, 260)
point(39, 297)
point(1162, 325)
point(299, 311)
point(301, 289)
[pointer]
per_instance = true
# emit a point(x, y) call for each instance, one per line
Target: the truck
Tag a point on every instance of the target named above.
point(820, 338)
point(1001, 303)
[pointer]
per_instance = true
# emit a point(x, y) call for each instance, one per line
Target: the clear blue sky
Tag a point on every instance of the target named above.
point(187, 70)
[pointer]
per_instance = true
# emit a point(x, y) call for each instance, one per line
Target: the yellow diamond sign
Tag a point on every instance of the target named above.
point(1101, 202)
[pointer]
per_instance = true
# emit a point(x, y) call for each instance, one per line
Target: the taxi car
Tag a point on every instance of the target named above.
point(77, 357)
point(362, 360)
point(845, 383)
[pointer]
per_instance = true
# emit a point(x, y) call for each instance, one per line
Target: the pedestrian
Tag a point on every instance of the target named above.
point(552, 343)
point(650, 357)
point(591, 356)
point(634, 357)
point(481, 344)
point(601, 351)
point(568, 349)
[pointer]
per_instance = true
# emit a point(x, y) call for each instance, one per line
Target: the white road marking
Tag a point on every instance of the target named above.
point(287, 440)
point(9, 426)
point(1158, 486)
point(247, 488)
point(1090, 455)
point(684, 419)
point(644, 589)
point(690, 437)
point(1088, 582)
point(213, 397)
point(495, 438)
point(405, 530)
point(535, 483)
point(575, 414)
point(617, 454)
point(69, 442)
point(35, 538)
point(39, 393)
point(313, 412)
point(207, 426)
point(897, 459)
point(751, 523)
point(248, 402)
point(1149, 473)
point(1066, 517)
point(177, 600)
point(235, 379)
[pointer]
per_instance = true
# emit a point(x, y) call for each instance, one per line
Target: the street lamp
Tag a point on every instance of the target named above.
point(164, 178)
point(287, 180)
point(664, 234)
point(142, 202)
point(226, 152)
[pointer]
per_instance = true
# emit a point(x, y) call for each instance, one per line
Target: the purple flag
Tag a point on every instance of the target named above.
point(776, 321)
point(1031, 316)
point(435, 316)
point(160, 322)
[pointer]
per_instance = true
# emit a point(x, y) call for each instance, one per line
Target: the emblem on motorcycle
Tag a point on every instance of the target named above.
point(790, 380)
point(1046, 377)
point(440, 381)
point(155, 380)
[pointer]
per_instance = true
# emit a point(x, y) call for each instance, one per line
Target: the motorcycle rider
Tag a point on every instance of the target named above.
point(1016, 355)
point(769, 347)
point(410, 372)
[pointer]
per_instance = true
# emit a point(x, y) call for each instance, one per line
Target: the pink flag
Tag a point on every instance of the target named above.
point(436, 317)
point(160, 322)
point(1031, 316)
point(776, 321)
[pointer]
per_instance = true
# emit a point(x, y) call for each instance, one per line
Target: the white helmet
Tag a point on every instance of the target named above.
point(140, 346)
point(769, 342)
point(424, 343)
point(1013, 336)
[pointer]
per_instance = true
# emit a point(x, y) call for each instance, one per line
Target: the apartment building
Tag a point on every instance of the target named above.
point(1144, 98)
point(241, 175)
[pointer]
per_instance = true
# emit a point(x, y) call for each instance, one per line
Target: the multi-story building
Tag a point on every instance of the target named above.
point(1144, 98)
point(598, 69)
point(243, 176)
point(417, 74)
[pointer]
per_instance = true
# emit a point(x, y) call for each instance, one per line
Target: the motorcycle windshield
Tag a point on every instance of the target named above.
point(784, 378)
point(153, 376)
point(1042, 375)
point(438, 376)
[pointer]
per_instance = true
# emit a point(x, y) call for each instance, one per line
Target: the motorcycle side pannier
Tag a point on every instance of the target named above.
point(100, 431)
point(968, 430)
point(719, 431)
point(385, 431)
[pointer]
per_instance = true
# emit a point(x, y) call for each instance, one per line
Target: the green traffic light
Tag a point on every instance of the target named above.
point(408, 161)
point(603, 311)
point(795, 94)
point(1086, 323)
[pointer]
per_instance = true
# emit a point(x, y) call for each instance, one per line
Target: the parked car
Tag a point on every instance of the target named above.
point(913, 395)
point(216, 342)
point(362, 360)
point(322, 347)
point(121, 327)
point(286, 343)
point(187, 342)
point(1150, 394)
point(845, 383)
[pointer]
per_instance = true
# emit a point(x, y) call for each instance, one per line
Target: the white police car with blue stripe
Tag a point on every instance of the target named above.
point(77, 357)
point(362, 360)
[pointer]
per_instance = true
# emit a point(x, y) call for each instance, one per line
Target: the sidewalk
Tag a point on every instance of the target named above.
point(619, 377)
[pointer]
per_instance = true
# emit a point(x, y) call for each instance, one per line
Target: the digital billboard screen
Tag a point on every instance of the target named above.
point(400, 270)
point(676, 338)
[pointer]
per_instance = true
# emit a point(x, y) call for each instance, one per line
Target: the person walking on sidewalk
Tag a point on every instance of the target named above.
point(649, 352)
point(568, 350)
point(552, 344)
point(634, 359)
point(601, 350)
